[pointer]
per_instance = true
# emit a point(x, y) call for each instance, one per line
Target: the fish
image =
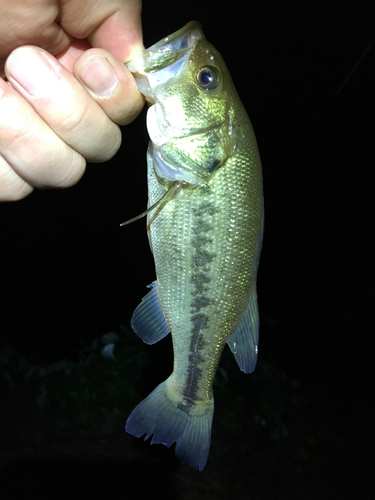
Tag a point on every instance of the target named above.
point(205, 228)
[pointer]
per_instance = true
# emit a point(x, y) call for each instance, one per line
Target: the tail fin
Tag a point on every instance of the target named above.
point(169, 420)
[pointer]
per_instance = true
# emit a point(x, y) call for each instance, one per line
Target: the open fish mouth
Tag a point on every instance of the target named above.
point(165, 59)
point(168, 51)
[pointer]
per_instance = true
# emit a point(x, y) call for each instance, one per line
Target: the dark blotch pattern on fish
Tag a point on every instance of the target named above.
point(199, 303)
point(214, 165)
point(194, 373)
point(202, 258)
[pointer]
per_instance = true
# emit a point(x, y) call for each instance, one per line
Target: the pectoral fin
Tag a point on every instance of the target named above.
point(148, 320)
point(244, 340)
point(168, 196)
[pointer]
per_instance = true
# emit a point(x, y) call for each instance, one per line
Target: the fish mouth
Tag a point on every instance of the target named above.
point(169, 50)
point(179, 39)
point(165, 59)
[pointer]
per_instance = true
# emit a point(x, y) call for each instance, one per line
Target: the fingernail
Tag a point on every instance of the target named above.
point(99, 76)
point(32, 71)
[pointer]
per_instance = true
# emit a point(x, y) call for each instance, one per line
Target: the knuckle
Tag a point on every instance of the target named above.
point(110, 146)
point(12, 187)
point(15, 192)
point(90, 132)
point(67, 169)
point(71, 123)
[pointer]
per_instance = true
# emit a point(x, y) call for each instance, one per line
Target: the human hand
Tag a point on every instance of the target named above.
point(63, 100)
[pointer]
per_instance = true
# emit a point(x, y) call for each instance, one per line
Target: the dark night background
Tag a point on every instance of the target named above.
point(305, 72)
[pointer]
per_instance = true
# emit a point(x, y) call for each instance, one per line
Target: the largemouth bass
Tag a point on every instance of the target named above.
point(205, 225)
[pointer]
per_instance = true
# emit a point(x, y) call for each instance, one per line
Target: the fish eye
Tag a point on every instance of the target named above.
point(207, 78)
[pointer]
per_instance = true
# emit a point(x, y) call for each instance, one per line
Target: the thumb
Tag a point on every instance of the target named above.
point(114, 25)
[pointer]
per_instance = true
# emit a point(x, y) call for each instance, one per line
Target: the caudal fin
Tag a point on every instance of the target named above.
point(169, 421)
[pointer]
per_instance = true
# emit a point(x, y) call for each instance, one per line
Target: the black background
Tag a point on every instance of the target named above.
point(305, 72)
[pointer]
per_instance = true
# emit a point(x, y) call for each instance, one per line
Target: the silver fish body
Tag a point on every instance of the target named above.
point(205, 235)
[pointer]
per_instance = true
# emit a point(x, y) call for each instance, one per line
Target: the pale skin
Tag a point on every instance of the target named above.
point(64, 89)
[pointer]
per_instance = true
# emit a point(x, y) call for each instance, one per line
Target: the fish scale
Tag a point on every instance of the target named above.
point(205, 240)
